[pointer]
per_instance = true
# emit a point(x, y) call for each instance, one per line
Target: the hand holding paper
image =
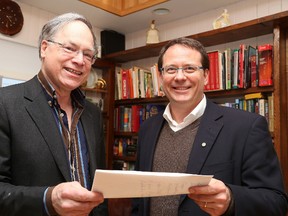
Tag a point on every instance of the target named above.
point(124, 184)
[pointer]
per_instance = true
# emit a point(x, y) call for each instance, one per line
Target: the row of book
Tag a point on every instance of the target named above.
point(123, 165)
point(129, 118)
point(137, 82)
point(125, 146)
point(244, 67)
point(256, 103)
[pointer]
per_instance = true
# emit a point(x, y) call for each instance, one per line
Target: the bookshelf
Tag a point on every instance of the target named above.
point(273, 24)
point(107, 94)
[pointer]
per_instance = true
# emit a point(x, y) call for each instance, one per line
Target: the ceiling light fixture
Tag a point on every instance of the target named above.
point(161, 11)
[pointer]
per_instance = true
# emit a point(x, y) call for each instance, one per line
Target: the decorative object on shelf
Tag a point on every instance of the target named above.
point(11, 17)
point(222, 21)
point(152, 34)
point(92, 78)
point(101, 84)
point(99, 51)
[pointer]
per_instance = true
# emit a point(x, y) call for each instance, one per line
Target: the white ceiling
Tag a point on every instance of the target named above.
point(133, 22)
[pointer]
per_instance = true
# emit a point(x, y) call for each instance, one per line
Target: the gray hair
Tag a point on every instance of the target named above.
point(54, 25)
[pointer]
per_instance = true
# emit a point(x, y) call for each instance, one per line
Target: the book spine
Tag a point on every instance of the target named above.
point(235, 69)
point(265, 65)
point(125, 83)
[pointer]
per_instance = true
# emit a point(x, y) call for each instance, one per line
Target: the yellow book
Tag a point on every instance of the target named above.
point(253, 96)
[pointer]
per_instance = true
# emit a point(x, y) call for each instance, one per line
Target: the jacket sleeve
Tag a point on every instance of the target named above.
point(12, 200)
point(261, 191)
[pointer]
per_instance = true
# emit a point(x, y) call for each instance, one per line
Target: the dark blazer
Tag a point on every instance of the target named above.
point(239, 152)
point(32, 154)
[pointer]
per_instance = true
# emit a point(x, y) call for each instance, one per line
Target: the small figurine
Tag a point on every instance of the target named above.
point(222, 21)
point(152, 34)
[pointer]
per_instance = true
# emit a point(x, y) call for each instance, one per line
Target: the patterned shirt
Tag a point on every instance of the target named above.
point(73, 137)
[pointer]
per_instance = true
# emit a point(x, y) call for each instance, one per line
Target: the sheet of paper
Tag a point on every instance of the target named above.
point(124, 184)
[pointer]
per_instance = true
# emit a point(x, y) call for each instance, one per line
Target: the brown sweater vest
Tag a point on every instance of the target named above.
point(172, 155)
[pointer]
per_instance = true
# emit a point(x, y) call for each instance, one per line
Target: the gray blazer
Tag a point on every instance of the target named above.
point(32, 154)
point(238, 151)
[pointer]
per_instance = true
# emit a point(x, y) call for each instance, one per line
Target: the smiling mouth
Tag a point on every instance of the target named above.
point(181, 88)
point(73, 71)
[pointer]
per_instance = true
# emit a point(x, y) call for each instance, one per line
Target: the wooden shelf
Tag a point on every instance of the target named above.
point(125, 134)
point(212, 94)
point(245, 30)
point(94, 90)
point(125, 158)
point(135, 101)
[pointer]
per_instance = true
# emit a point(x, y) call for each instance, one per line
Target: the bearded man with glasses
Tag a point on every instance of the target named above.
point(51, 138)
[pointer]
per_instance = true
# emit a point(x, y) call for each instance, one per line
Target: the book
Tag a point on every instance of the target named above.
point(125, 83)
point(235, 61)
point(148, 84)
point(253, 96)
point(156, 80)
point(262, 107)
point(252, 68)
point(130, 83)
point(118, 83)
point(154, 109)
point(221, 72)
point(270, 99)
point(141, 83)
point(127, 119)
point(241, 66)
point(265, 54)
point(131, 147)
point(227, 68)
point(135, 82)
point(135, 117)
point(246, 78)
point(213, 76)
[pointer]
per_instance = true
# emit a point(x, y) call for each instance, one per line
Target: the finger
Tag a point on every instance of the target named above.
point(74, 191)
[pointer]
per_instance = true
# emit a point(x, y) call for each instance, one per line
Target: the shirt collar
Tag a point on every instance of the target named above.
point(196, 113)
point(76, 95)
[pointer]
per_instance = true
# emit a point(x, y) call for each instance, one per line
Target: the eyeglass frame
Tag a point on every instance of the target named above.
point(164, 69)
point(74, 52)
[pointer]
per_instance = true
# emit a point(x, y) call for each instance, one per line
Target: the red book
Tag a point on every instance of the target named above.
point(265, 53)
point(213, 71)
point(130, 79)
point(253, 66)
point(241, 69)
point(125, 83)
point(135, 117)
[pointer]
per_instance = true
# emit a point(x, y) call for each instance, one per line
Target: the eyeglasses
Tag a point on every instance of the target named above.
point(187, 70)
point(71, 51)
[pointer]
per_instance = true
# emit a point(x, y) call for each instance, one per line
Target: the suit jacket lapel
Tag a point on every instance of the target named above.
point(87, 125)
point(208, 131)
point(39, 110)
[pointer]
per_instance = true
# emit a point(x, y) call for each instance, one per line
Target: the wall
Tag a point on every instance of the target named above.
point(19, 53)
point(20, 56)
point(239, 12)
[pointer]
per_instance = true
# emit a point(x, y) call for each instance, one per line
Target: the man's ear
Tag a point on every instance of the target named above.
point(44, 45)
point(206, 73)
